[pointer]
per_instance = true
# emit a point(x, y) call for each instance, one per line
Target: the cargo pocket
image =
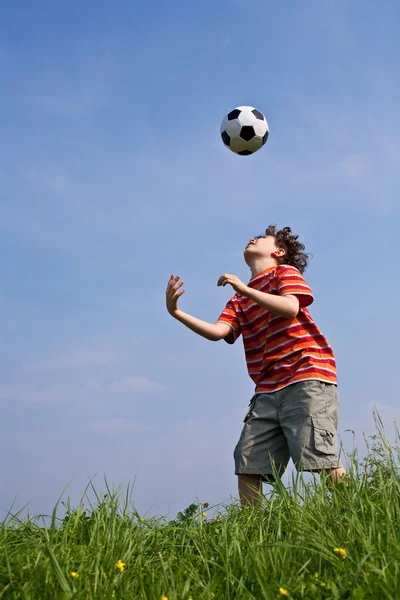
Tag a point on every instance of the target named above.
point(324, 435)
point(251, 406)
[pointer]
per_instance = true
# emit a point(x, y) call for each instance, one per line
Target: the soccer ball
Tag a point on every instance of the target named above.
point(244, 130)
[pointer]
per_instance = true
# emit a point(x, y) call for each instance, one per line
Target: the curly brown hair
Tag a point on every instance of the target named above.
point(286, 240)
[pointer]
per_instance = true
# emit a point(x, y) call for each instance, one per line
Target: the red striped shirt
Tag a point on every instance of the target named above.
point(280, 350)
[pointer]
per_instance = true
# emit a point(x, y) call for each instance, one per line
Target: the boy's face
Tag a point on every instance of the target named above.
point(262, 246)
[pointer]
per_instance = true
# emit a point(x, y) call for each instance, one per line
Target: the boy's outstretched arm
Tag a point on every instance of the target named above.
point(210, 331)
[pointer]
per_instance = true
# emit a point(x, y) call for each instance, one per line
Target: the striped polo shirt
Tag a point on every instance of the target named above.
point(279, 350)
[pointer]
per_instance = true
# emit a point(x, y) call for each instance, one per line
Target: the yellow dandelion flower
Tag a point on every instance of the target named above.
point(120, 565)
point(164, 597)
point(204, 515)
point(74, 574)
point(342, 552)
point(283, 592)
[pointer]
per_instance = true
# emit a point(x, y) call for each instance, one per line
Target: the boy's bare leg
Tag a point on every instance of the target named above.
point(250, 486)
point(250, 489)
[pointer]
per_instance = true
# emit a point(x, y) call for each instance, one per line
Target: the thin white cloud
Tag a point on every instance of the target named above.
point(82, 89)
point(78, 359)
point(32, 393)
point(135, 384)
point(52, 179)
point(351, 166)
point(95, 392)
point(387, 413)
point(115, 425)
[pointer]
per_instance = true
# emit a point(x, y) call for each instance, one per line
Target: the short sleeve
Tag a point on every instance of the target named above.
point(291, 281)
point(229, 317)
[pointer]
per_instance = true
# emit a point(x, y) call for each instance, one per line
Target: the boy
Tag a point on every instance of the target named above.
point(294, 411)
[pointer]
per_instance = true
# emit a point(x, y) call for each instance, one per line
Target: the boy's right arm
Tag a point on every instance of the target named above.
point(210, 331)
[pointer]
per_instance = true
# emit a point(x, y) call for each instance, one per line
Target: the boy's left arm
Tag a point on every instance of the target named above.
point(286, 306)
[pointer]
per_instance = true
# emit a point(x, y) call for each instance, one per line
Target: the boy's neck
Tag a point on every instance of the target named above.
point(261, 264)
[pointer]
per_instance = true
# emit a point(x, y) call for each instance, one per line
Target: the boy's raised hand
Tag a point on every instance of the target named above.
point(234, 281)
point(173, 293)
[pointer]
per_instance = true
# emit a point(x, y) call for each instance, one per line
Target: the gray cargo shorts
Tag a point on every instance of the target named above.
point(299, 422)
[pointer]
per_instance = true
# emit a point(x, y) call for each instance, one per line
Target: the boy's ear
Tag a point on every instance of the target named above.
point(279, 252)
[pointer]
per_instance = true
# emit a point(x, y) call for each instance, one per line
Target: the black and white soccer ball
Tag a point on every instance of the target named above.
point(244, 130)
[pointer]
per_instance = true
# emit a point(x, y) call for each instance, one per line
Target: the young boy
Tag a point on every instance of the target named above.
point(294, 411)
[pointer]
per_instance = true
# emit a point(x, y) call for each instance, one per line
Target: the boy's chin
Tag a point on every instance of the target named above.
point(250, 251)
point(248, 256)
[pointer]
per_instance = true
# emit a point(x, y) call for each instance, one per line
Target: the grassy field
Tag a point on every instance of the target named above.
point(311, 541)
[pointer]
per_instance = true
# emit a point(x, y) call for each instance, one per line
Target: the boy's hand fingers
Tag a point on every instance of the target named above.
point(221, 280)
point(176, 287)
point(173, 283)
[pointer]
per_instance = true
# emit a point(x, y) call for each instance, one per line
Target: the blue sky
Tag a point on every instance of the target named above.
point(113, 176)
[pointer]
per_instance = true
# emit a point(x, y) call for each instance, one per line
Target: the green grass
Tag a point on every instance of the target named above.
point(288, 542)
